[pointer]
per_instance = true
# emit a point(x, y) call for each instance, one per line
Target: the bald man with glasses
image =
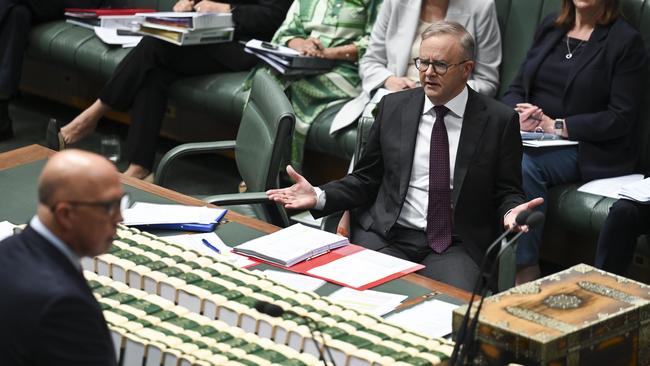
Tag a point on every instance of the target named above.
point(48, 314)
point(440, 176)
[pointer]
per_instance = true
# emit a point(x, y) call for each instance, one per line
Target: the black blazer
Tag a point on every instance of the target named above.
point(602, 95)
point(487, 174)
point(48, 314)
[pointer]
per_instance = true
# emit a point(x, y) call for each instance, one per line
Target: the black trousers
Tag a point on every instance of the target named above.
point(626, 221)
point(16, 19)
point(142, 79)
point(454, 266)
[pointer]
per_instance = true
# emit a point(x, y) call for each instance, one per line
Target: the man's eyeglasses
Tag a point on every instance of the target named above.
point(440, 67)
point(110, 207)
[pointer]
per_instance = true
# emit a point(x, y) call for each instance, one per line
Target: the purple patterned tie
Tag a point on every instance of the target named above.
point(439, 212)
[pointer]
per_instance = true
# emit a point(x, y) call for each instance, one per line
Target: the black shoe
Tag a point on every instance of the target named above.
point(6, 129)
point(53, 137)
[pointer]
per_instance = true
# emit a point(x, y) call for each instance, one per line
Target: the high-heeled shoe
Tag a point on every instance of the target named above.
point(53, 137)
point(6, 128)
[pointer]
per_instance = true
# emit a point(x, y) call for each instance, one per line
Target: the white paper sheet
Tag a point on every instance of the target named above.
point(368, 301)
point(637, 191)
point(195, 242)
point(149, 213)
point(431, 318)
point(548, 143)
point(361, 268)
point(110, 36)
point(6, 229)
point(295, 281)
point(609, 187)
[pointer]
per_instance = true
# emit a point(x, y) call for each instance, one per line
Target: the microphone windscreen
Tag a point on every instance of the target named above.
point(269, 309)
point(522, 217)
point(535, 219)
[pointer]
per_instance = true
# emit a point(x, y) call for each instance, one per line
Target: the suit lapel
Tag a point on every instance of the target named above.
point(409, 124)
point(474, 122)
point(592, 48)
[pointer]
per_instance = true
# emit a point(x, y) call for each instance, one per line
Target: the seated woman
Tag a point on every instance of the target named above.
point(337, 30)
point(582, 79)
point(626, 221)
point(395, 42)
point(141, 80)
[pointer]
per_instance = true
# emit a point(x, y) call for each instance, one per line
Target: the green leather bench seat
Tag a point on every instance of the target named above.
point(218, 95)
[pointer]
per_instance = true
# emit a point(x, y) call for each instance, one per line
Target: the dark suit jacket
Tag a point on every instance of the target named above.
point(602, 95)
point(487, 174)
point(48, 315)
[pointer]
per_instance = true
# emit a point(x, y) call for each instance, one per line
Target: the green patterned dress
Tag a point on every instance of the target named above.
point(335, 23)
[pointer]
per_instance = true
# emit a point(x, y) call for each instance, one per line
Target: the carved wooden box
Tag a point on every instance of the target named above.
point(580, 316)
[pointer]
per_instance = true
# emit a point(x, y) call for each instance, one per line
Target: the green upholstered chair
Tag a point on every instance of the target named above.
point(262, 144)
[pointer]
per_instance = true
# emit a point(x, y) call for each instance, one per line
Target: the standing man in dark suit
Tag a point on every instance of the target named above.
point(48, 314)
point(16, 19)
point(141, 80)
point(441, 171)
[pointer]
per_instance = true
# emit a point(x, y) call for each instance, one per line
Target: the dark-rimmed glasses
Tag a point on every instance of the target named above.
point(440, 67)
point(110, 206)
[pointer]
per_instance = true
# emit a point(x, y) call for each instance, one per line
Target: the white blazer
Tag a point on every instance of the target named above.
point(393, 35)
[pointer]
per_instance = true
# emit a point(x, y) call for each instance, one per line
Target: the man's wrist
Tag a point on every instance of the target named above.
point(320, 198)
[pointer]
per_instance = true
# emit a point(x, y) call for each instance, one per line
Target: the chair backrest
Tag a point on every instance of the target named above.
point(264, 134)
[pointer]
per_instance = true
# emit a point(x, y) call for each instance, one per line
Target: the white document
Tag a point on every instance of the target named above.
point(361, 268)
point(368, 301)
point(431, 318)
point(195, 242)
point(548, 143)
point(6, 229)
point(638, 191)
point(609, 187)
point(306, 218)
point(256, 44)
point(295, 281)
point(294, 244)
point(110, 36)
point(142, 213)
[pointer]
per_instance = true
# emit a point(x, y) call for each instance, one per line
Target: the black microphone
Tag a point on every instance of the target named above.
point(482, 281)
point(465, 348)
point(276, 311)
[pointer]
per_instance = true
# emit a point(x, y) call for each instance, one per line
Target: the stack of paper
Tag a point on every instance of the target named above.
point(368, 301)
point(294, 244)
point(173, 217)
point(638, 191)
point(105, 18)
point(431, 318)
point(610, 187)
point(288, 61)
point(188, 28)
point(211, 245)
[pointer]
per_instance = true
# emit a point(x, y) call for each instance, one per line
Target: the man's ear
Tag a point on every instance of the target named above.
point(468, 67)
point(63, 213)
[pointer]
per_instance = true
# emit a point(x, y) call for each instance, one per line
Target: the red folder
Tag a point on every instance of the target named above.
point(102, 12)
point(305, 266)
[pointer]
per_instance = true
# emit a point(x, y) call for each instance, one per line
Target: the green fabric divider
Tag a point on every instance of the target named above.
point(21, 182)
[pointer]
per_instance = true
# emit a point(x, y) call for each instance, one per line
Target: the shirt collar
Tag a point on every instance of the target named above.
point(456, 105)
point(40, 228)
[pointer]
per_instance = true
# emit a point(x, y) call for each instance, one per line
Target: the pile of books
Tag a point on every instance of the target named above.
point(189, 28)
point(106, 18)
point(288, 61)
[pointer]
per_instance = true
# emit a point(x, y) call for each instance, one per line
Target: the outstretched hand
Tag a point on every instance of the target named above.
point(509, 220)
point(301, 195)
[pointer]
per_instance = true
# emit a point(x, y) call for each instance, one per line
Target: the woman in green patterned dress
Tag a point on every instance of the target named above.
point(332, 29)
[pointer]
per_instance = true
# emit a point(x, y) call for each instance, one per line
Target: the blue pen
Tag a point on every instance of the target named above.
point(207, 244)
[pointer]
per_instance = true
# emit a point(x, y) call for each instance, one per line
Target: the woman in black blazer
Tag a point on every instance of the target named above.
point(582, 79)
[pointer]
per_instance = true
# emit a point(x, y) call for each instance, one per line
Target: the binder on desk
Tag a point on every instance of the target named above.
point(92, 12)
point(186, 37)
point(288, 61)
point(190, 20)
point(173, 217)
point(196, 227)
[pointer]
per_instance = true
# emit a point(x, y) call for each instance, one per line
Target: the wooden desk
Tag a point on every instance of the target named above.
point(34, 153)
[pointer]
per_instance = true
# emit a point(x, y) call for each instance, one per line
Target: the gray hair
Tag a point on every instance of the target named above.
point(455, 29)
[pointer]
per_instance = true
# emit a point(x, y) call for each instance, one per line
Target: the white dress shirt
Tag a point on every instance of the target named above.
point(40, 228)
point(416, 203)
